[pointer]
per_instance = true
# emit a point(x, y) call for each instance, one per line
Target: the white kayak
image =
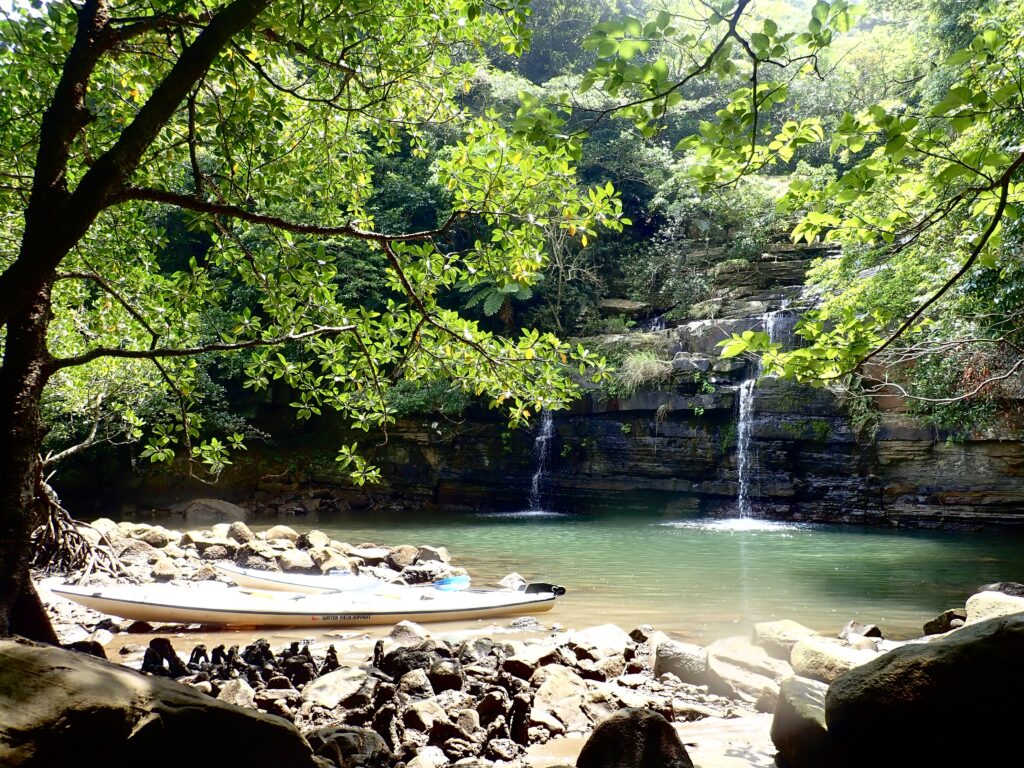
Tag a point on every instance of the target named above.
point(218, 604)
point(344, 581)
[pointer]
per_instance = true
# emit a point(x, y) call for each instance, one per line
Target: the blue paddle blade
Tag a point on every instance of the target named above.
point(452, 583)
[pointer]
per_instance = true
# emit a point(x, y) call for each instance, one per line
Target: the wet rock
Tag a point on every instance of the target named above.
point(686, 661)
point(295, 560)
point(80, 705)
point(945, 621)
point(240, 532)
point(351, 747)
point(989, 605)
point(779, 637)
point(901, 707)
point(633, 738)
point(338, 688)
point(281, 533)
point(821, 658)
point(137, 551)
point(798, 727)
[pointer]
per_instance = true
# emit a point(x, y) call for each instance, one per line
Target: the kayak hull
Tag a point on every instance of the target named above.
point(177, 605)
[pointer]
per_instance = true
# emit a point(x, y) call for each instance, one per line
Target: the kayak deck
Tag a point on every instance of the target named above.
point(229, 606)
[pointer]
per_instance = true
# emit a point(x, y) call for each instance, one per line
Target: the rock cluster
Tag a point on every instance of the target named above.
point(429, 703)
point(896, 706)
point(156, 553)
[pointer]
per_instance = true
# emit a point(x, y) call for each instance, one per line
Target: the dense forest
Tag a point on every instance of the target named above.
point(379, 210)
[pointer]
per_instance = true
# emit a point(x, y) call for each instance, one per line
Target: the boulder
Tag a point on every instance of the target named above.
point(991, 604)
point(798, 727)
point(107, 527)
point(65, 708)
point(905, 706)
point(824, 659)
point(434, 554)
point(602, 641)
point(528, 657)
point(1006, 587)
point(945, 621)
point(416, 684)
point(740, 670)
point(327, 560)
point(313, 539)
point(157, 536)
point(240, 532)
point(342, 687)
point(854, 628)
point(634, 738)
point(408, 632)
point(207, 511)
point(560, 693)
point(402, 557)
point(281, 532)
point(446, 675)
point(237, 692)
point(164, 570)
point(686, 661)
point(779, 637)
point(347, 746)
point(295, 560)
point(422, 715)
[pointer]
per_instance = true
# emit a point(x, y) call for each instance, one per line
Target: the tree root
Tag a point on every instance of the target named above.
point(59, 546)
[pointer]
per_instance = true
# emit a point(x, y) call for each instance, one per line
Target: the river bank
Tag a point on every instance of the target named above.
point(525, 692)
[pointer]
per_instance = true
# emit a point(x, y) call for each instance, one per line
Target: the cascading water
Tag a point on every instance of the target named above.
point(778, 328)
point(541, 452)
point(743, 445)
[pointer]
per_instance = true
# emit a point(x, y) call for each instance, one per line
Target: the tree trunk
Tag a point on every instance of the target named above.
point(22, 378)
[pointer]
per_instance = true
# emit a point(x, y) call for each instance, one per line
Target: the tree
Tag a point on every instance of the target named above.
point(258, 123)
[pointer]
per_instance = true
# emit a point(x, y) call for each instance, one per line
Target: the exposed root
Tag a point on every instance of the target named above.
point(59, 546)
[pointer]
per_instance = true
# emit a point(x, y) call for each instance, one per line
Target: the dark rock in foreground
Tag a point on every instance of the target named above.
point(634, 738)
point(61, 708)
point(905, 707)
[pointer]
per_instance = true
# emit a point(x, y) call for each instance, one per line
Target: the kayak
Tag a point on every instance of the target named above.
point(340, 581)
point(219, 604)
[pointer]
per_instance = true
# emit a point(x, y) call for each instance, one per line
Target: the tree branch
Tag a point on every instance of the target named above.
point(162, 352)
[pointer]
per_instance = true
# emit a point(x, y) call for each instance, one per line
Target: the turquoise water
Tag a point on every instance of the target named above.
point(707, 579)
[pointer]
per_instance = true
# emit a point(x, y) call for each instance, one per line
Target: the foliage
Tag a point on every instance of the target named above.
point(338, 188)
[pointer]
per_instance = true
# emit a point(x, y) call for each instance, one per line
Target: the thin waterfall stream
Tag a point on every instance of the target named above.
point(778, 332)
point(541, 454)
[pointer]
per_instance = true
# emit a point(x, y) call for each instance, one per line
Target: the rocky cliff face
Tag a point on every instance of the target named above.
point(676, 447)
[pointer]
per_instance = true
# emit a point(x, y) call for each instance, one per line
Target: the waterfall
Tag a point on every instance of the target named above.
point(776, 324)
point(541, 452)
point(743, 444)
